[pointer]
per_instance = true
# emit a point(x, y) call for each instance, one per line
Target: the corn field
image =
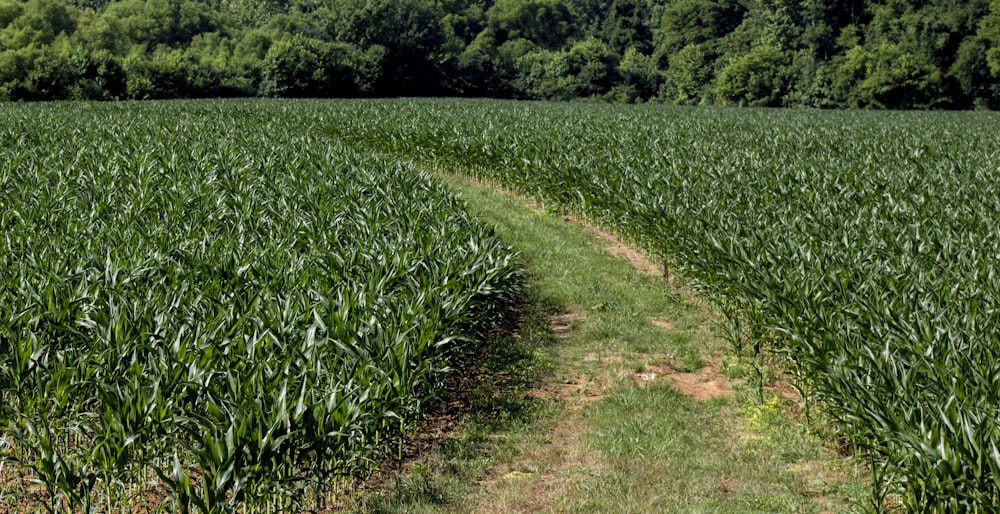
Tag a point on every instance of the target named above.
point(229, 305)
point(219, 306)
point(862, 246)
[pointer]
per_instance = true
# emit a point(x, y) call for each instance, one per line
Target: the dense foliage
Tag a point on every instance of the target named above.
point(820, 53)
point(863, 246)
point(219, 302)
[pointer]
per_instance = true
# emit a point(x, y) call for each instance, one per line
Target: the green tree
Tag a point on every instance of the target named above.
point(10, 10)
point(587, 69)
point(971, 70)
point(623, 24)
point(687, 78)
point(35, 22)
point(409, 31)
point(16, 68)
point(307, 67)
point(757, 78)
point(162, 73)
point(64, 70)
point(694, 22)
point(148, 23)
point(507, 63)
point(891, 77)
point(640, 73)
point(989, 32)
point(253, 13)
point(912, 49)
point(811, 82)
point(546, 23)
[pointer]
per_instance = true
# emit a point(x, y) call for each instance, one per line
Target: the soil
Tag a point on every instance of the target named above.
point(704, 384)
point(562, 323)
point(663, 323)
point(616, 247)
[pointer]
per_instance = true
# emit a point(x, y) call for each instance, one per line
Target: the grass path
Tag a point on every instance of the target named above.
point(615, 395)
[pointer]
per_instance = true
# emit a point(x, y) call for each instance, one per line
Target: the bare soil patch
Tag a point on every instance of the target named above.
point(669, 325)
point(783, 388)
point(576, 393)
point(616, 247)
point(702, 385)
point(562, 323)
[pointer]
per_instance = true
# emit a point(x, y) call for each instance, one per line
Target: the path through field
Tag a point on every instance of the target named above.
point(632, 406)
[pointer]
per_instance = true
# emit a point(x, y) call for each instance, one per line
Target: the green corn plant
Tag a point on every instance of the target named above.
point(231, 302)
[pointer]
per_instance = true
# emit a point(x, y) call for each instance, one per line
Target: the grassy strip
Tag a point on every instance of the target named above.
point(588, 414)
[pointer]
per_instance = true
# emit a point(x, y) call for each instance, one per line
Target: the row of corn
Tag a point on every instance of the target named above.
point(217, 306)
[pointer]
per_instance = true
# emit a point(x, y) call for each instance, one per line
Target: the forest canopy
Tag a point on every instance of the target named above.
point(808, 53)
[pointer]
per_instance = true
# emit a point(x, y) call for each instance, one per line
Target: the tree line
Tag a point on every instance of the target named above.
point(809, 53)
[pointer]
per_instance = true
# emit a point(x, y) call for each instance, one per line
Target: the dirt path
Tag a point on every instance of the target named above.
point(621, 398)
point(626, 338)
